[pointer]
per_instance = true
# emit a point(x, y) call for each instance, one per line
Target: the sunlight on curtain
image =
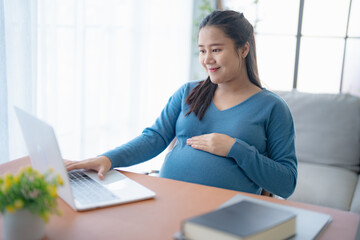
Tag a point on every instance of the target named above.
point(18, 72)
point(107, 68)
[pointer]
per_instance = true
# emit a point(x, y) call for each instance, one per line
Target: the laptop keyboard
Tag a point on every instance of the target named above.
point(87, 191)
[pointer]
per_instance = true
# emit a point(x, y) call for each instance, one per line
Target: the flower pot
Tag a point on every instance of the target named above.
point(23, 225)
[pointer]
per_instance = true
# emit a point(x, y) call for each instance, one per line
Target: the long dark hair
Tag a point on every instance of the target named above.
point(238, 28)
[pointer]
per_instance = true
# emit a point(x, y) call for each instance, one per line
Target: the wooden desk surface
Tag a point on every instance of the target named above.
point(161, 217)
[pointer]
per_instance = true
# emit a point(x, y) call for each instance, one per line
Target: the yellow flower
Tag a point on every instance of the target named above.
point(19, 203)
point(59, 180)
point(7, 183)
point(52, 191)
point(10, 209)
point(30, 192)
point(17, 179)
point(28, 169)
point(8, 180)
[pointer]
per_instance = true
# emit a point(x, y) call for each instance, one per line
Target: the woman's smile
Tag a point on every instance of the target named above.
point(213, 69)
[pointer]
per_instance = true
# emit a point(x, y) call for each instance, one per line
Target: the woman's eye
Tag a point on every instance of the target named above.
point(216, 50)
point(201, 51)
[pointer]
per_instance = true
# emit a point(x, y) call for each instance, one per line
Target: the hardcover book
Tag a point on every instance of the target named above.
point(243, 220)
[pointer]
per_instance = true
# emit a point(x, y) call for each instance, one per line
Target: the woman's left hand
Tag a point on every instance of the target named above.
point(215, 143)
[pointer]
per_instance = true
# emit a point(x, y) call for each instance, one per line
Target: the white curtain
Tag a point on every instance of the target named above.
point(107, 68)
point(4, 135)
point(17, 71)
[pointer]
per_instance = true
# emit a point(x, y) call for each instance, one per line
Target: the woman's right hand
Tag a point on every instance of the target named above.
point(101, 164)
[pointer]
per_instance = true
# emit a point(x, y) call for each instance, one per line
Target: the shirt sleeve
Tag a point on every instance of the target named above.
point(153, 140)
point(275, 171)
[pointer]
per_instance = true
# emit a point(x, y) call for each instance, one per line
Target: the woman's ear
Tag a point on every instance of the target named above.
point(244, 50)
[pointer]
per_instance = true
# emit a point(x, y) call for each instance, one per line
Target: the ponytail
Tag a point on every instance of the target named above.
point(200, 98)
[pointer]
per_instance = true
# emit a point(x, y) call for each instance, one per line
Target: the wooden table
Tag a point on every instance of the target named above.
point(161, 217)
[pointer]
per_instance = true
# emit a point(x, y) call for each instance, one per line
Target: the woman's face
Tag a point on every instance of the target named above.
point(218, 56)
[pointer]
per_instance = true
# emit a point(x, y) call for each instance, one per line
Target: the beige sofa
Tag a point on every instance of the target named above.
point(328, 149)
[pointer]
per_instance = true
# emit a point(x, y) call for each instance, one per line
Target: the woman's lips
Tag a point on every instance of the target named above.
point(213, 69)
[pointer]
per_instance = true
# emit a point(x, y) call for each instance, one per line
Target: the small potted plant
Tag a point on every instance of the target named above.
point(27, 200)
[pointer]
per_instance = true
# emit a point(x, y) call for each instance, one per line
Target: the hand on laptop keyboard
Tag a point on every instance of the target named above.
point(87, 191)
point(101, 165)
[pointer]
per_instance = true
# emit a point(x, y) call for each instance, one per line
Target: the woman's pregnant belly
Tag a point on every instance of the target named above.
point(185, 163)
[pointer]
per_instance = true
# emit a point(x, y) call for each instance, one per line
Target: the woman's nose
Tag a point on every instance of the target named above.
point(208, 58)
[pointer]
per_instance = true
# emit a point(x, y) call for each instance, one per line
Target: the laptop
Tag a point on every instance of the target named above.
point(82, 190)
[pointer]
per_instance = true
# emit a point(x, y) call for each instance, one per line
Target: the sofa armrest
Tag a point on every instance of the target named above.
point(324, 185)
point(355, 204)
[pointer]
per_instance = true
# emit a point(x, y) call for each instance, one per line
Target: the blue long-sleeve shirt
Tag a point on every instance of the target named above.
point(263, 155)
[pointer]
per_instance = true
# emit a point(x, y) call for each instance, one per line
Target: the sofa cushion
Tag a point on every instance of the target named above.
point(325, 185)
point(327, 128)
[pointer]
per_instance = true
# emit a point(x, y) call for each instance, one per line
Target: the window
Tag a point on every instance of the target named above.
point(312, 46)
